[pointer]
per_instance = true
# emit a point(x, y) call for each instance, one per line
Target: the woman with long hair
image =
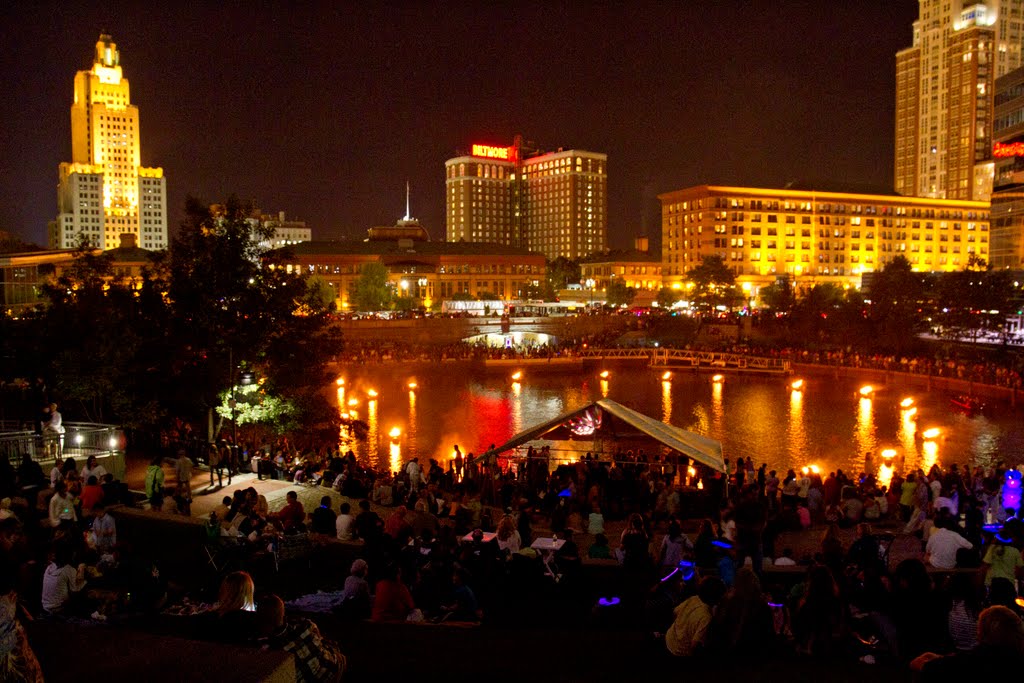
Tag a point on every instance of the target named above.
point(509, 540)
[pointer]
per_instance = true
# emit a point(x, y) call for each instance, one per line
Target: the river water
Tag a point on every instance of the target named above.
point(827, 424)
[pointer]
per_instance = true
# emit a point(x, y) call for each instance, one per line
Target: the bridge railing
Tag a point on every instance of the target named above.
point(79, 440)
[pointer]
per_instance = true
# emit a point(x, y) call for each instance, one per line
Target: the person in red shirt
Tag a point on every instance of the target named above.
point(393, 601)
point(292, 516)
point(92, 493)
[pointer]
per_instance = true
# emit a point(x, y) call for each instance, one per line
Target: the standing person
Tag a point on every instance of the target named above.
point(54, 429)
point(213, 460)
point(415, 473)
point(183, 471)
point(771, 490)
point(155, 483)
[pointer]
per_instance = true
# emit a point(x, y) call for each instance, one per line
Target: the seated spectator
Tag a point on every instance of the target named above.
point(509, 541)
point(600, 550)
point(63, 583)
point(595, 522)
point(369, 526)
point(686, 636)
point(864, 551)
point(964, 608)
point(393, 601)
point(463, 605)
point(92, 494)
point(344, 523)
point(396, 523)
point(103, 529)
point(92, 469)
point(743, 622)
point(819, 624)
point(316, 658)
point(62, 506)
point(1002, 560)
point(323, 520)
point(292, 516)
point(1000, 650)
point(232, 620)
point(943, 545)
point(853, 510)
point(355, 595)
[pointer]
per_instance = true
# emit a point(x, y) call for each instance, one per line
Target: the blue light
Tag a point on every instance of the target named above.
point(1011, 490)
point(564, 493)
point(608, 602)
point(721, 544)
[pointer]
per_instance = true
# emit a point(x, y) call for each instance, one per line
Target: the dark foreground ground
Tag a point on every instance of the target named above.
point(400, 652)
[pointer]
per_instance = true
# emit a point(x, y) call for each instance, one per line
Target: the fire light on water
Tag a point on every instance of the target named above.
point(866, 390)
point(353, 402)
point(517, 375)
point(889, 453)
point(718, 379)
point(340, 381)
point(931, 433)
point(412, 385)
point(667, 376)
point(372, 393)
point(798, 385)
point(605, 374)
point(395, 432)
point(907, 403)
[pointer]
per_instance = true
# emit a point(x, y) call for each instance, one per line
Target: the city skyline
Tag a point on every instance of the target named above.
point(326, 112)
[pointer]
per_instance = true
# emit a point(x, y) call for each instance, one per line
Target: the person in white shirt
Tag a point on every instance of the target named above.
point(61, 582)
point(183, 470)
point(943, 546)
point(344, 523)
point(92, 469)
point(415, 473)
point(62, 506)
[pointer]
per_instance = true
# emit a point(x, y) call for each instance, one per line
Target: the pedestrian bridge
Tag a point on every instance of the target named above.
point(79, 441)
point(668, 359)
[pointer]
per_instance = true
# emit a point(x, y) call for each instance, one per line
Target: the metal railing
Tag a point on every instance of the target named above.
point(79, 441)
point(715, 359)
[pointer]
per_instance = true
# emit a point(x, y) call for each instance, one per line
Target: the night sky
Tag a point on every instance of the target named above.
point(325, 110)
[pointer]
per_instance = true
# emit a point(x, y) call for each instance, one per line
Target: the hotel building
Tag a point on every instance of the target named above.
point(104, 191)
point(554, 203)
point(811, 236)
point(944, 95)
point(1008, 194)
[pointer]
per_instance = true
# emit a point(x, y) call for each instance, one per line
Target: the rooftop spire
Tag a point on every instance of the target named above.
point(407, 216)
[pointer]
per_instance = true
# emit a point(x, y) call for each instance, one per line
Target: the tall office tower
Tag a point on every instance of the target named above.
point(944, 88)
point(104, 192)
point(555, 203)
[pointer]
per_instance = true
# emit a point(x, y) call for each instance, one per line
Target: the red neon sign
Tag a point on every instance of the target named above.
point(1010, 149)
point(488, 152)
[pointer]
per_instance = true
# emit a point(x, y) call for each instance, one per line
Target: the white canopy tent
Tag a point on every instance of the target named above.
point(607, 419)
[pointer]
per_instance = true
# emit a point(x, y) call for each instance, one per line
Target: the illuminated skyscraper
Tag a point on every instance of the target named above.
point(554, 203)
point(104, 191)
point(944, 89)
